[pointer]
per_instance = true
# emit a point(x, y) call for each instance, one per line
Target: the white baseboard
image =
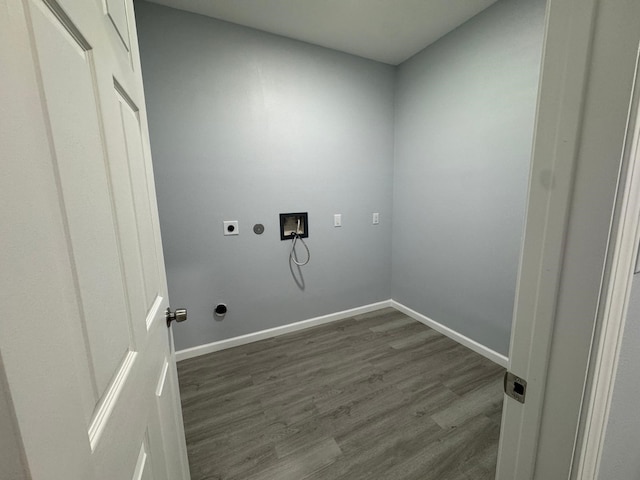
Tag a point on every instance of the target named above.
point(486, 352)
point(274, 332)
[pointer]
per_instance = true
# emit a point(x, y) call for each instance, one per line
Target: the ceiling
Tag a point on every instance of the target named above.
point(388, 31)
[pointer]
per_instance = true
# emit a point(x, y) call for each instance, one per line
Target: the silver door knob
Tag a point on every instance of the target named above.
point(180, 315)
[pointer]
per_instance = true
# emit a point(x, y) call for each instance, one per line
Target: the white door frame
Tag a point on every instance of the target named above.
point(608, 340)
point(575, 186)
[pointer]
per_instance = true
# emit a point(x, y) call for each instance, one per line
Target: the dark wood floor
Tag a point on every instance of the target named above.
point(374, 397)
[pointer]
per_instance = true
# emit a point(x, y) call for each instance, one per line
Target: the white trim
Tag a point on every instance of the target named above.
point(141, 464)
point(109, 400)
point(277, 331)
point(603, 371)
point(163, 378)
point(152, 314)
point(486, 352)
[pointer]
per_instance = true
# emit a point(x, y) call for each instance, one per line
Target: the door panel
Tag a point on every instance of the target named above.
point(116, 376)
point(117, 12)
point(139, 184)
point(143, 465)
point(127, 223)
point(80, 153)
point(170, 431)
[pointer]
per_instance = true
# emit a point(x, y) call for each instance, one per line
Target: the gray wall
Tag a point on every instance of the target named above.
point(620, 459)
point(465, 110)
point(245, 125)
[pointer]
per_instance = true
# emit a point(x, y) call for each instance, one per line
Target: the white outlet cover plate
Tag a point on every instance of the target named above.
point(337, 220)
point(376, 218)
point(231, 227)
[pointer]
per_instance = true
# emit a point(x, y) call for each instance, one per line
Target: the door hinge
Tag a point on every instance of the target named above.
point(515, 387)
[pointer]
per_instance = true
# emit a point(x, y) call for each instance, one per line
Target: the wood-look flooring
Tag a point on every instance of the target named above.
point(374, 397)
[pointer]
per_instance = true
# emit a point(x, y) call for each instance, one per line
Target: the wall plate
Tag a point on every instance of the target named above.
point(231, 227)
point(289, 224)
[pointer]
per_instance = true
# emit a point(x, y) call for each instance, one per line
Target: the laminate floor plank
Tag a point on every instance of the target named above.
point(476, 402)
point(400, 322)
point(378, 396)
point(307, 460)
point(472, 375)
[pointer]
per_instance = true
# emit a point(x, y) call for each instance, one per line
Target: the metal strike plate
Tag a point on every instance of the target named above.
point(515, 387)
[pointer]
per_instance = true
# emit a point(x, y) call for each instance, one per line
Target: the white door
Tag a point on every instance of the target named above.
point(86, 352)
point(579, 164)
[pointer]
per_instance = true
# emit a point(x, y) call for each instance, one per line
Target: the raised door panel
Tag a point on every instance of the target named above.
point(143, 470)
point(116, 10)
point(126, 219)
point(139, 181)
point(170, 431)
point(77, 138)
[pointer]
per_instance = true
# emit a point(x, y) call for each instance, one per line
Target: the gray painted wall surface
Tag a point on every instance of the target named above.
point(245, 125)
point(465, 109)
point(620, 459)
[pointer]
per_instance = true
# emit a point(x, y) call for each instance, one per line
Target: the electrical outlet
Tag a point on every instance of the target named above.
point(376, 218)
point(231, 227)
point(337, 220)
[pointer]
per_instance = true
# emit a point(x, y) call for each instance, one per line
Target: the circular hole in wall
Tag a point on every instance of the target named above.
point(220, 310)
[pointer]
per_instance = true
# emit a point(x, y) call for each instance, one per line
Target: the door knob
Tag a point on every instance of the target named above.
point(180, 315)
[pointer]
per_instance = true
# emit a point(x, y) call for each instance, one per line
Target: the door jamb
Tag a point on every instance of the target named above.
point(606, 346)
